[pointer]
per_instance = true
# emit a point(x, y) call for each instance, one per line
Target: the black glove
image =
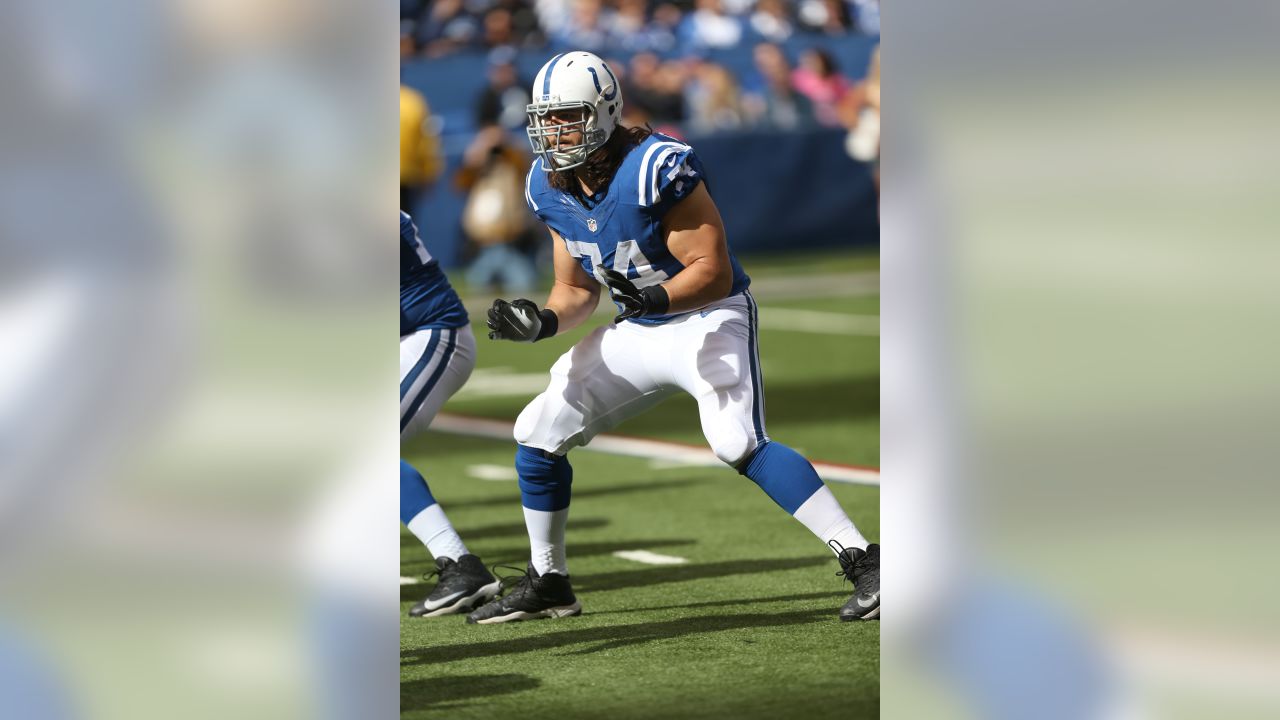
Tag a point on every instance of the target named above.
point(635, 302)
point(520, 321)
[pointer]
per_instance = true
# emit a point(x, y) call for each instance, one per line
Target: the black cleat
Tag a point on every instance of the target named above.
point(463, 585)
point(546, 596)
point(862, 568)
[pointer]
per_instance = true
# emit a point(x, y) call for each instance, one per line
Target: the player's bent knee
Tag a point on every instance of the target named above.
point(732, 448)
point(527, 423)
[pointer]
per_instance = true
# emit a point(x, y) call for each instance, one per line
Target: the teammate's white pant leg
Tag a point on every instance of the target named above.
point(612, 374)
point(717, 362)
point(434, 364)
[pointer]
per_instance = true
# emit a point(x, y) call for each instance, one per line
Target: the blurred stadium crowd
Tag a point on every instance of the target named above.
point(704, 66)
point(785, 72)
point(441, 27)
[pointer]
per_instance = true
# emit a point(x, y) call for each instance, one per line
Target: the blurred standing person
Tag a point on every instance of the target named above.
point(860, 112)
point(420, 158)
point(819, 79)
point(495, 217)
point(715, 101)
point(503, 100)
point(774, 101)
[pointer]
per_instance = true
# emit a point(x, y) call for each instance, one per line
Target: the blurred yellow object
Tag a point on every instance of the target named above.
point(420, 158)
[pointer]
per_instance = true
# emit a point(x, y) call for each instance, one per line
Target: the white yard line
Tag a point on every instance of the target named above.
point(492, 472)
point(820, 322)
point(408, 581)
point(504, 382)
point(643, 448)
point(649, 558)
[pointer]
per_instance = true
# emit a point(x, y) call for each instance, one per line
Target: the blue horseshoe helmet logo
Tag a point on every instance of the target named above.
point(595, 78)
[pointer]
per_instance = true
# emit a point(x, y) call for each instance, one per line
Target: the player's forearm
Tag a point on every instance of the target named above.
point(572, 304)
point(699, 284)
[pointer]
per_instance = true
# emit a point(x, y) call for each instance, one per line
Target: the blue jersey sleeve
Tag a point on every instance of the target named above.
point(673, 173)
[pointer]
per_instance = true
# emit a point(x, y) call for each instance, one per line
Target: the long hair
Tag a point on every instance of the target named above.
point(597, 172)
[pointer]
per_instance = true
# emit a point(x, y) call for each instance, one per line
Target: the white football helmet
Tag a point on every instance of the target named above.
point(573, 81)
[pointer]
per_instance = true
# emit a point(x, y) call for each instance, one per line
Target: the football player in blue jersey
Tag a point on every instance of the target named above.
point(629, 210)
point(437, 355)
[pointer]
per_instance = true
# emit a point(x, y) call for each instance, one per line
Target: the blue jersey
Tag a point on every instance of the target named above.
point(621, 228)
point(427, 300)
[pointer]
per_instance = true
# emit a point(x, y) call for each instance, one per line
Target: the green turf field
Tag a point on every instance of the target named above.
point(747, 627)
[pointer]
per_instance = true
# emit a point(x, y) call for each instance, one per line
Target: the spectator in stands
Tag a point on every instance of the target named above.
point(715, 100)
point(408, 46)
point(446, 27)
point(773, 101)
point(650, 92)
point(710, 27)
point(770, 21)
point(495, 219)
point(866, 15)
point(587, 28)
point(420, 158)
point(524, 24)
point(504, 98)
point(665, 27)
point(820, 80)
point(410, 9)
point(631, 31)
point(499, 30)
point(554, 16)
point(830, 17)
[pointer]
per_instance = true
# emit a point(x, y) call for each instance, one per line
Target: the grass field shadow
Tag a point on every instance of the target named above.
point(444, 692)
point(828, 595)
point(612, 636)
point(623, 579)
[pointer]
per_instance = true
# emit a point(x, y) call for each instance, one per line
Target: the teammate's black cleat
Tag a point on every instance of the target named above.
point(463, 585)
point(862, 568)
point(535, 596)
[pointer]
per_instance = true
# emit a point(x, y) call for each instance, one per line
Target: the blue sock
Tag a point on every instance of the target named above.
point(785, 476)
point(544, 481)
point(415, 496)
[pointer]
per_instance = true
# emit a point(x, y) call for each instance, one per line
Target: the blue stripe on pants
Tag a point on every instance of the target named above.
point(757, 381)
point(412, 377)
point(435, 377)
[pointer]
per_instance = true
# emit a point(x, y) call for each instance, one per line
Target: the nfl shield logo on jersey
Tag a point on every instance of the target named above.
point(591, 224)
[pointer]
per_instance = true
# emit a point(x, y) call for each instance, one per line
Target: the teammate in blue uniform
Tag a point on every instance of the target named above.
point(629, 210)
point(437, 355)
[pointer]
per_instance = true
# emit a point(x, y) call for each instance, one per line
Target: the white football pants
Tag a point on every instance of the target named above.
point(618, 371)
point(434, 364)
